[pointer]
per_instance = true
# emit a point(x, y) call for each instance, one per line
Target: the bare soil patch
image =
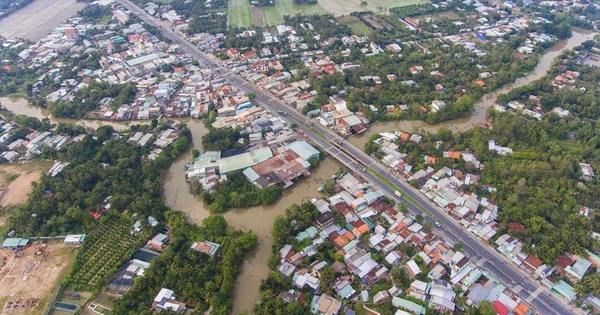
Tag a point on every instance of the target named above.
point(257, 15)
point(29, 278)
point(17, 178)
point(376, 22)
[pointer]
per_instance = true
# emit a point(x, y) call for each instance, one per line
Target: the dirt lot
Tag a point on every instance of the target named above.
point(18, 178)
point(29, 280)
point(257, 15)
point(38, 18)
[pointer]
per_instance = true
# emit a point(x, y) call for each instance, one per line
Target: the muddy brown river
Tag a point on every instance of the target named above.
point(260, 219)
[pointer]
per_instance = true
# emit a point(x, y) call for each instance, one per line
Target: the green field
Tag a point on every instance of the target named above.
point(273, 15)
point(358, 27)
point(239, 13)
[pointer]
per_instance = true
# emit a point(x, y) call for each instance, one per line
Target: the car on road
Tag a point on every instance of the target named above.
point(437, 224)
point(399, 194)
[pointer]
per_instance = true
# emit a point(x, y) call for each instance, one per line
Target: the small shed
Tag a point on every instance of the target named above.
point(75, 239)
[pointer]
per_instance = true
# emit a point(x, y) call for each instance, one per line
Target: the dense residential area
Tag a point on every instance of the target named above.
point(299, 157)
point(358, 252)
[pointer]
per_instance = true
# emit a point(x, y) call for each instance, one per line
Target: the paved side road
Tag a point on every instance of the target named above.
point(480, 253)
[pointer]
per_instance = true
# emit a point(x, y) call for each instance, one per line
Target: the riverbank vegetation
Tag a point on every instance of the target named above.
point(199, 280)
point(221, 139)
point(236, 192)
point(540, 184)
point(88, 98)
point(101, 193)
point(98, 169)
point(296, 219)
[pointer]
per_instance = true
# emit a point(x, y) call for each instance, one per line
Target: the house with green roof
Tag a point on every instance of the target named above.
point(593, 258)
point(408, 305)
point(304, 150)
point(578, 269)
point(14, 243)
point(565, 290)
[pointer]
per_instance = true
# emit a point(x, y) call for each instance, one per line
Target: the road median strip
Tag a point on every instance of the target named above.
point(393, 186)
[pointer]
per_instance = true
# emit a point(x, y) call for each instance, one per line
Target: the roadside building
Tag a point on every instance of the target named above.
point(14, 243)
point(75, 239)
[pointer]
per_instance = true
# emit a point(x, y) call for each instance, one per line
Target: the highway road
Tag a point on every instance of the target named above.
point(483, 255)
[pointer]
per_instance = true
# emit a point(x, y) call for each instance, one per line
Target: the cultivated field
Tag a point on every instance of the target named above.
point(345, 7)
point(273, 15)
point(38, 18)
point(102, 253)
point(29, 279)
point(239, 13)
point(18, 178)
point(358, 27)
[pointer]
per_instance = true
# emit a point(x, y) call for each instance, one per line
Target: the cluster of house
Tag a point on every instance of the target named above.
point(262, 166)
point(263, 67)
point(275, 155)
point(370, 225)
point(62, 40)
point(567, 79)
point(140, 261)
point(338, 117)
point(445, 187)
point(31, 145)
point(478, 214)
point(167, 83)
point(186, 90)
point(162, 138)
point(573, 267)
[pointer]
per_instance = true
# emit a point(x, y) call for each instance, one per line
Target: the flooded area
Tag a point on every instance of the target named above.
point(38, 18)
point(486, 101)
point(259, 219)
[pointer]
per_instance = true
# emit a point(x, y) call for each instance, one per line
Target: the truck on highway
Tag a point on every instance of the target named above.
point(399, 194)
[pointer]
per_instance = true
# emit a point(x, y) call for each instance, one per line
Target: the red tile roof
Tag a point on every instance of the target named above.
point(500, 308)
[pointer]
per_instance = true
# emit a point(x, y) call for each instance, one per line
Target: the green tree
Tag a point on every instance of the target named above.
point(195, 153)
point(269, 195)
point(282, 228)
